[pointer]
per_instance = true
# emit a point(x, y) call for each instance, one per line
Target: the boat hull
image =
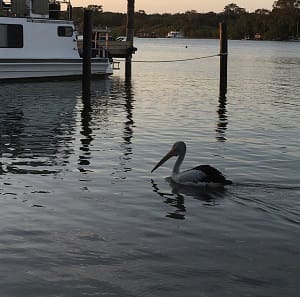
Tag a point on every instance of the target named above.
point(11, 69)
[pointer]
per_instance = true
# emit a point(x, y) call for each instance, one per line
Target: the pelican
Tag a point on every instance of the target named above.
point(202, 175)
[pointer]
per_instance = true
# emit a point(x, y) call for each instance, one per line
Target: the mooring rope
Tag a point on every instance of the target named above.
point(171, 61)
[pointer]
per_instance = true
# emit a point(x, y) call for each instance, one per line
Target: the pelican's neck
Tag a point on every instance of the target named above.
point(177, 164)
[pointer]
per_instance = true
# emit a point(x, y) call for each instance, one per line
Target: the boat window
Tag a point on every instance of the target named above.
point(65, 31)
point(11, 36)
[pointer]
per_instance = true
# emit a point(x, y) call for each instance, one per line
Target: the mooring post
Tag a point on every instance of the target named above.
point(129, 36)
point(87, 53)
point(223, 59)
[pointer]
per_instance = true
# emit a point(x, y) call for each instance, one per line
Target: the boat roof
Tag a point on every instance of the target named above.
point(31, 8)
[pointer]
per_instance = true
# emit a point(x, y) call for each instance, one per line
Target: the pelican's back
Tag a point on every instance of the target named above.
point(212, 175)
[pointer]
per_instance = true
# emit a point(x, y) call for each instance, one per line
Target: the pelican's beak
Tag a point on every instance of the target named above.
point(169, 155)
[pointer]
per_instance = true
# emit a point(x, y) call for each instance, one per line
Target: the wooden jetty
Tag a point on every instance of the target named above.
point(101, 39)
point(116, 48)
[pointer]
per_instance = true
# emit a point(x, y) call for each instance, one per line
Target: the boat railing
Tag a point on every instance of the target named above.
point(39, 9)
point(5, 7)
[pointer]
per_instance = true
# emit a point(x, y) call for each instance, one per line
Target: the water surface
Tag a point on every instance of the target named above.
point(81, 214)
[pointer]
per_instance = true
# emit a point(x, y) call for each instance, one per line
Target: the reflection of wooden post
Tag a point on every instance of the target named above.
point(223, 60)
point(87, 53)
point(129, 36)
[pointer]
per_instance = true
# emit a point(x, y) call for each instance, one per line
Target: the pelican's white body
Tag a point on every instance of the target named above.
point(188, 178)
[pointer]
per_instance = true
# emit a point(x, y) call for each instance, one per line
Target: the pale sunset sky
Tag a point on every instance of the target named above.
point(173, 6)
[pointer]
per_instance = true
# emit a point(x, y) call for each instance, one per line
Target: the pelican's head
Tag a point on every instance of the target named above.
point(178, 149)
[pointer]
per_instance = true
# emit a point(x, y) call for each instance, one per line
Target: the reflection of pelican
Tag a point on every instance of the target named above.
point(176, 198)
point(201, 193)
point(202, 175)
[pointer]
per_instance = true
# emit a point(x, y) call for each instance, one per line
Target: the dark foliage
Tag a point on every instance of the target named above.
point(280, 23)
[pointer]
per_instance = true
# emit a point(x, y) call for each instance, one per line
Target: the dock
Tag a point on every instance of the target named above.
point(117, 49)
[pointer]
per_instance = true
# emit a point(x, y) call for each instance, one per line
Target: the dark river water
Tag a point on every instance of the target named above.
point(81, 214)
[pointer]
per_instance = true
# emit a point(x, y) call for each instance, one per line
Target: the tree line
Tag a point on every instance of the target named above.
point(280, 23)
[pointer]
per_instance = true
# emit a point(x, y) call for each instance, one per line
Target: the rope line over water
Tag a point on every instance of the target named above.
point(175, 60)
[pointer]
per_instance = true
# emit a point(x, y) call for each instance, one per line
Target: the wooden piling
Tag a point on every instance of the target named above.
point(87, 53)
point(223, 60)
point(129, 37)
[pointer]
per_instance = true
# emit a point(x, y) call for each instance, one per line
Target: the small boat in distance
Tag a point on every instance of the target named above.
point(175, 34)
point(36, 43)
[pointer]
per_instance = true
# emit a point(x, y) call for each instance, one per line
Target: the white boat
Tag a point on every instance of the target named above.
point(175, 34)
point(34, 43)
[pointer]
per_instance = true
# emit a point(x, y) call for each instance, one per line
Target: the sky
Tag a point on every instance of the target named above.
point(173, 6)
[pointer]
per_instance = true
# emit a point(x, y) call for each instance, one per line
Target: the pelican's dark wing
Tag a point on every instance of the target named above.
point(212, 175)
